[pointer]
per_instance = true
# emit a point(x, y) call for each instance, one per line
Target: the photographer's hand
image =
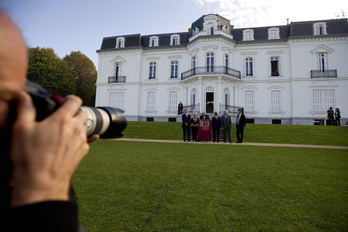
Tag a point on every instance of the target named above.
point(45, 154)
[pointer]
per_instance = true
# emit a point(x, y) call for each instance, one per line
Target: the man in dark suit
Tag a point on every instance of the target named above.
point(216, 124)
point(204, 116)
point(180, 107)
point(226, 126)
point(186, 124)
point(240, 124)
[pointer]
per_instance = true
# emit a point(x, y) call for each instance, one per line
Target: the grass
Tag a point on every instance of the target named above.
point(257, 133)
point(220, 188)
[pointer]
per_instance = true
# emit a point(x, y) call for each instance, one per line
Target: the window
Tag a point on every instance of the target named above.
point(210, 62)
point(193, 62)
point(117, 70)
point(151, 102)
point(249, 66)
point(248, 35)
point(175, 40)
point(323, 99)
point(173, 102)
point(273, 33)
point(212, 31)
point(275, 101)
point(274, 66)
point(152, 70)
point(193, 98)
point(226, 98)
point(319, 29)
point(153, 41)
point(249, 101)
point(116, 100)
point(322, 62)
point(174, 69)
point(120, 42)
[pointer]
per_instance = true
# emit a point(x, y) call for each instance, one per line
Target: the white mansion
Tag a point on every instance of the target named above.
point(289, 74)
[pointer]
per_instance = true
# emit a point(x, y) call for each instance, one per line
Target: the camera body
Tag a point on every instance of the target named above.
point(105, 121)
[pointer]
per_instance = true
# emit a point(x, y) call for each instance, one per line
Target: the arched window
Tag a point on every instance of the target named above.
point(120, 42)
point(175, 39)
point(273, 33)
point(248, 35)
point(153, 41)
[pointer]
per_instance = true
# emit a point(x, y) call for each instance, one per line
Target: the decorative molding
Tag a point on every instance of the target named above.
point(322, 48)
point(153, 58)
point(118, 59)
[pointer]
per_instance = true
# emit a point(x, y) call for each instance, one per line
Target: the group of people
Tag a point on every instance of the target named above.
point(218, 123)
point(333, 118)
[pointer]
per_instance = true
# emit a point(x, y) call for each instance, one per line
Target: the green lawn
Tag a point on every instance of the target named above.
point(220, 187)
point(257, 133)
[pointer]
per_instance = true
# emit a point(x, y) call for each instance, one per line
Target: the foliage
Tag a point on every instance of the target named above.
point(85, 75)
point(49, 71)
point(216, 188)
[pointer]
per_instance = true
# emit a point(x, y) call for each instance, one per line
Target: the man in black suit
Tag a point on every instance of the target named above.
point(180, 107)
point(186, 124)
point(240, 124)
point(216, 124)
point(226, 126)
point(204, 116)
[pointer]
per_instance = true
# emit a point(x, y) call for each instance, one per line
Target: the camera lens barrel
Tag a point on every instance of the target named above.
point(108, 122)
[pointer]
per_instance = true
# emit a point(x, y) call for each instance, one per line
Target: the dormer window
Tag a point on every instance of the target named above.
point(248, 35)
point(175, 40)
point(319, 29)
point(120, 42)
point(153, 41)
point(273, 33)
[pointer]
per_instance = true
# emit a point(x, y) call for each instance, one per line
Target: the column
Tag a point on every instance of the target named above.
point(200, 95)
point(218, 95)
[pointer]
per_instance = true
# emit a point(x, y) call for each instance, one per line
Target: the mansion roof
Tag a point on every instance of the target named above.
point(221, 27)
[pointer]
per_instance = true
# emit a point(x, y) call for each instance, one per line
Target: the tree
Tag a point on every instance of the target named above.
point(85, 75)
point(49, 71)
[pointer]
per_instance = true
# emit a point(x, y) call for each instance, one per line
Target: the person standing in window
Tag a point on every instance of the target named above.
point(194, 127)
point(186, 125)
point(180, 107)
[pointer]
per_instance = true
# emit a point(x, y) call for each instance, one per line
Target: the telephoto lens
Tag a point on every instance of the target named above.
point(105, 121)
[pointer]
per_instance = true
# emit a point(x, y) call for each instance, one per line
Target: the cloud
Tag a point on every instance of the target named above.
point(254, 13)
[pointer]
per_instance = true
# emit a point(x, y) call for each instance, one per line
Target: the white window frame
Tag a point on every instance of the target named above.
point(175, 39)
point(319, 28)
point(249, 101)
point(173, 101)
point(210, 62)
point(151, 102)
point(152, 70)
point(273, 33)
point(275, 58)
point(323, 99)
point(174, 67)
point(116, 100)
point(322, 61)
point(248, 35)
point(120, 42)
point(276, 101)
point(249, 66)
point(154, 41)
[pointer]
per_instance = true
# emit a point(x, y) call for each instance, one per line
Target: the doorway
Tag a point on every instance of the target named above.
point(209, 103)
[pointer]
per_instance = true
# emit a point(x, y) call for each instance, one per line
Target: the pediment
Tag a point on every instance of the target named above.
point(322, 49)
point(118, 59)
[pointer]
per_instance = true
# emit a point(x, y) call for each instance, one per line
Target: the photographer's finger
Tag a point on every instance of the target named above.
point(26, 111)
point(71, 106)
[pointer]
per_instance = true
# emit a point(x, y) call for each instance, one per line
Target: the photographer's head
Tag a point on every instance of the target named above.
point(13, 65)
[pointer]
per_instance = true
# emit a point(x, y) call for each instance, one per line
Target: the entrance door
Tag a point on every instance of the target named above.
point(209, 102)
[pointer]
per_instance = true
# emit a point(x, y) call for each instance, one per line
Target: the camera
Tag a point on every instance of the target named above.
point(105, 121)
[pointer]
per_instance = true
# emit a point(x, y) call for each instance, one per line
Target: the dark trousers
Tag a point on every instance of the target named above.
point(194, 133)
point(228, 132)
point(186, 131)
point(216, 134)
point(240, 132)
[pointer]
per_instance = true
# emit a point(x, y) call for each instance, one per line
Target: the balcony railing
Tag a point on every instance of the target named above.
point(329, 73)
point(117, 79)
point(229, 108)
point(212, 70)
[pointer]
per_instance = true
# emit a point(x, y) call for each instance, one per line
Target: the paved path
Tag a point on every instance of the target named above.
point(237, 144)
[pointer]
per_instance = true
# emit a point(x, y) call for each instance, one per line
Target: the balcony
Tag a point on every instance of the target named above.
point(215, 70)
point(117, 79)
point(329, 73)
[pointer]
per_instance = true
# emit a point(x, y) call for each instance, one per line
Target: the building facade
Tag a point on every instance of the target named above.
point(289, 74)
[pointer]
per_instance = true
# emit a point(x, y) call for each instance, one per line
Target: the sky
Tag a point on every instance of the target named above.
point(80, 25)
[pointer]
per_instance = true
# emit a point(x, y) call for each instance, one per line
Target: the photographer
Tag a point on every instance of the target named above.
point(38, 158)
